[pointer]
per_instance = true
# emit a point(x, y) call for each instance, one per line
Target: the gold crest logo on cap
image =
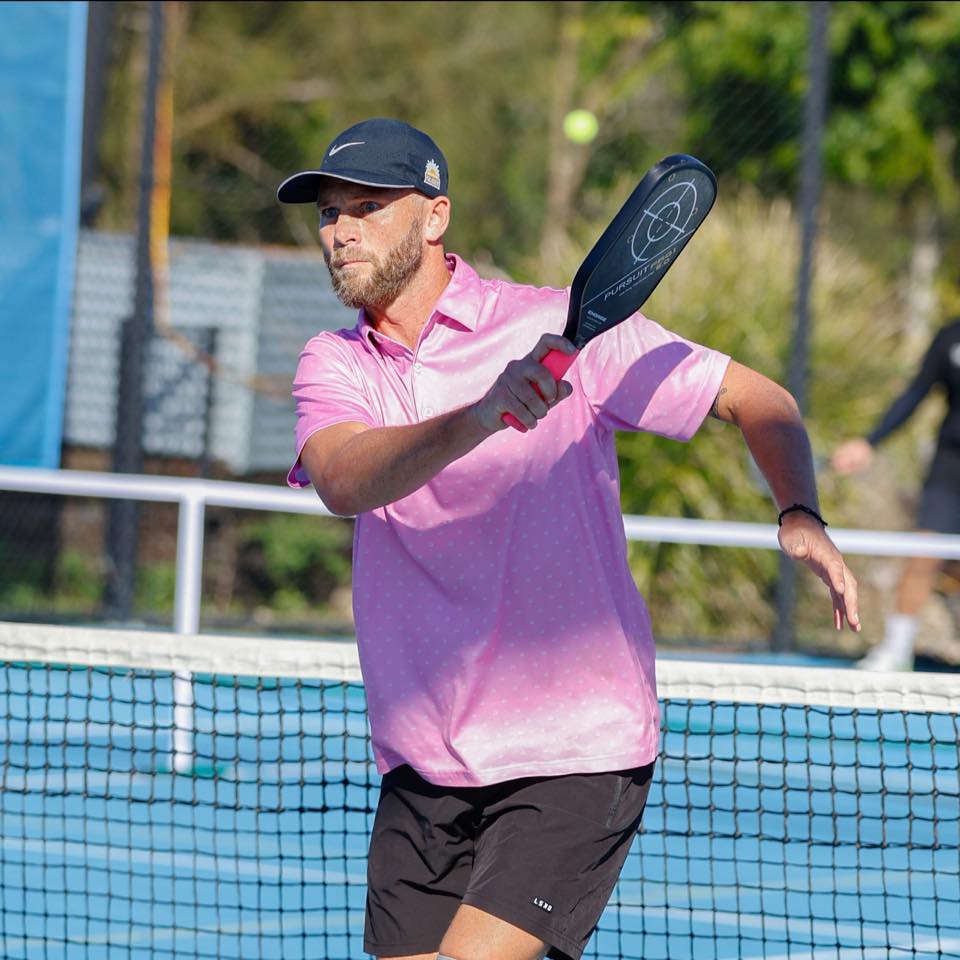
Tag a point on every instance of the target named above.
point(431, 175)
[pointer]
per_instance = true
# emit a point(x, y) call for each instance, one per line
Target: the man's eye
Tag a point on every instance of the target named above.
point(369, 206)
point(328, 213)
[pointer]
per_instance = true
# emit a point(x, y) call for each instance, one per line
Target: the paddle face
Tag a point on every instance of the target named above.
point(639, 246)
point(633, 254)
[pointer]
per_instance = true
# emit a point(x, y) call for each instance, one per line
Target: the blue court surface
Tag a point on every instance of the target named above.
point(772, 832)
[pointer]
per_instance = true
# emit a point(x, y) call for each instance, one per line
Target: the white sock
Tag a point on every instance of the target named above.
point(898, 635)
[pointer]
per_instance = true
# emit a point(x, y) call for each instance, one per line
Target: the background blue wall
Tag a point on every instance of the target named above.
point(42, 47)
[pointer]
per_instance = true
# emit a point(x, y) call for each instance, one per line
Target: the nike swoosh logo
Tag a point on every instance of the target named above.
point(343, 146)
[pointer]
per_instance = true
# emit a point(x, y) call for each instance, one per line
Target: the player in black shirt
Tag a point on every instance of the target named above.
point(940, 503)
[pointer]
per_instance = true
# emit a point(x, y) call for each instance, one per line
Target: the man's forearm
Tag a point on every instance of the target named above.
point(378, 466)
point(356, 468)
point(779, 444)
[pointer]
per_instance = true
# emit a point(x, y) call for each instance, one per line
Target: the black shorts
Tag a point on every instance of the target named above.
point(939, 509)
point(542, 853)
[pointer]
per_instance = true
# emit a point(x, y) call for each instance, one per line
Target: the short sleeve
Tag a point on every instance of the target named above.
point(328, 389)
point(640, 376)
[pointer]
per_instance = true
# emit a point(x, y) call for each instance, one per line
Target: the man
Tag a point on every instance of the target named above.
point(939, 510)
point(506, 653)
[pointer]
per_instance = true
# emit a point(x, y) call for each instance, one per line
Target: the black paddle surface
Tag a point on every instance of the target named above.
point(634, 253)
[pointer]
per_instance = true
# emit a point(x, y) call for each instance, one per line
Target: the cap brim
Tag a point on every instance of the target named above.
point(304, 187)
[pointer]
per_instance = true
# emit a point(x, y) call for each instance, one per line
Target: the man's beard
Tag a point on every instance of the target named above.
point(388, 276)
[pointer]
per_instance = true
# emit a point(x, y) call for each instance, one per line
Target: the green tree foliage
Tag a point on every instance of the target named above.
point(740, 69)
point(293, 563)
point(895, 94)
point(261, 87)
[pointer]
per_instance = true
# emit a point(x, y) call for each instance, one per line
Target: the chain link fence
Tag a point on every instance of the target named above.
point(825, 265)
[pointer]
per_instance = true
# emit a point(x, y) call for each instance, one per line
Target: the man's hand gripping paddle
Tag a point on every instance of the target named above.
point(633, 254)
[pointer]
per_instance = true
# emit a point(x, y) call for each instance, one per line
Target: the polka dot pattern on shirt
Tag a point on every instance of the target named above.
point(500, 632)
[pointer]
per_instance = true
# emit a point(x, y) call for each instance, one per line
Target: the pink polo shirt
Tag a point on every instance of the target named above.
point(500, 631)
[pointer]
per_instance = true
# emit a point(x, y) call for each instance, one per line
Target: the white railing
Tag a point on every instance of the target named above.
point(193, 496)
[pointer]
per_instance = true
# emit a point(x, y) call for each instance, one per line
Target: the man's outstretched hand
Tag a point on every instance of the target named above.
point(803, 539)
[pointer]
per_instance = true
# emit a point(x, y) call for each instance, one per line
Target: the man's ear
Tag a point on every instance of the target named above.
point(437, 219)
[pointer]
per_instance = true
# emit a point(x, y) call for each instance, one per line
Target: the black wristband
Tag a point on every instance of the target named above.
point(803, 509)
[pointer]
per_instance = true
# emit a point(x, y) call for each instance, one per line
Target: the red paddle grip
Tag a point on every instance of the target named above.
point(558, 363)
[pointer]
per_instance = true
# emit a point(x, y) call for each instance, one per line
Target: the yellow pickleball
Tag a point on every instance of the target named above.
point(580, 126)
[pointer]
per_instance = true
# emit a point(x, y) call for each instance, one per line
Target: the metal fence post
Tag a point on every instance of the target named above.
point(809, 203)
point(124, 515)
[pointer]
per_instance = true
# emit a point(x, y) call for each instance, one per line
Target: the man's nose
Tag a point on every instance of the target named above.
point(346, 229)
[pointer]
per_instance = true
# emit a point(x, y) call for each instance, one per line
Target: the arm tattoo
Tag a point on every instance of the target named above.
point(715, 409)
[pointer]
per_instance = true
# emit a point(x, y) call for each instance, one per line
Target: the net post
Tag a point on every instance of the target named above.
point(187, 621)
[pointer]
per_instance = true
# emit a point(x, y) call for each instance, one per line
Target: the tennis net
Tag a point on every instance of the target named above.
point(796, 812)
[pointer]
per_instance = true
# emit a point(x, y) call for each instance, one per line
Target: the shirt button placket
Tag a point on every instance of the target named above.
point(428, 410)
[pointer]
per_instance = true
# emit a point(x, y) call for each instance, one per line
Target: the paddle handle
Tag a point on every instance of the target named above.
point(558, 363)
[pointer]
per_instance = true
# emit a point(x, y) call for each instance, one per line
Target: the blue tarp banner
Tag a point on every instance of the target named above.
point(42, 50)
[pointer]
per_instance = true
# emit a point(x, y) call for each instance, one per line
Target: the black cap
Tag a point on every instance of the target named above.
point(376, 153)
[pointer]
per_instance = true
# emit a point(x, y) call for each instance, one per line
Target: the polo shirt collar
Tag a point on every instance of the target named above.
point(461, 298)
point(459, 302)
